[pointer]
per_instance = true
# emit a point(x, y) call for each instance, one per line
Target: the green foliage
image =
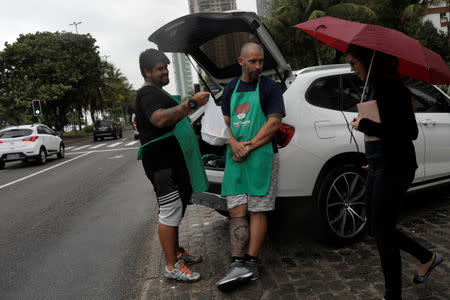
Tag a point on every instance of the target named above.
point(434, 40)
point(88, 129)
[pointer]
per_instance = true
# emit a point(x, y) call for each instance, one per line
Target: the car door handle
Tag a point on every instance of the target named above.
point(429, 122)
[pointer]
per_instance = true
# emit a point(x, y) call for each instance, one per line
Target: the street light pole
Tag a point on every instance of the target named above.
point(76, 25)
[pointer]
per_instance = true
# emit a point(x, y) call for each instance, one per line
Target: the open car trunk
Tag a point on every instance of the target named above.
point(213, 40)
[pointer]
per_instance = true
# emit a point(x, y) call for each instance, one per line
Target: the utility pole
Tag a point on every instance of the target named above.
point(76, 25)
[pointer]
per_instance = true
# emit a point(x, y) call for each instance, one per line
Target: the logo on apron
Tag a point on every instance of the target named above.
point(242, 110)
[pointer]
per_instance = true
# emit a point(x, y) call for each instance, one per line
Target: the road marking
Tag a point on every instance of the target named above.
point(131, 143)
point(124, 139)
point(104, 150)
point(115, 157)
point(79, 148)
point(67, 148)
point(97, 146)
point(114, 145)
point(42, 171)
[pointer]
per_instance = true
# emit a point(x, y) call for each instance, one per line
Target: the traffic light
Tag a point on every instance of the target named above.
point(37, 111)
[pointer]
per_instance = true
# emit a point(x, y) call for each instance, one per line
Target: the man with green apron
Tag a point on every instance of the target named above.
point(253, 108)
point(170, 156)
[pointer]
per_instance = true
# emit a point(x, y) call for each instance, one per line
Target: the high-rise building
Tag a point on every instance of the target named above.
point(196, 6)
point(263, 8)
point(183, 74)
point(181, 65)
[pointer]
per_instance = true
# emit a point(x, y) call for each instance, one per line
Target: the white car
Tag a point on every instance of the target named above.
point(29, 142)
point(321, 158)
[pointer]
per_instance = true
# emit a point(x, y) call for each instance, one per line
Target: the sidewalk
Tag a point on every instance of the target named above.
point(302, 269)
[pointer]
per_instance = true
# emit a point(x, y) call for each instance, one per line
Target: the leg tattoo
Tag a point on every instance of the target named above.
point(239, 234)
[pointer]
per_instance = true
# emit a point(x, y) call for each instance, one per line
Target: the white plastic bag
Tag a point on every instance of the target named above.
point(214, 130)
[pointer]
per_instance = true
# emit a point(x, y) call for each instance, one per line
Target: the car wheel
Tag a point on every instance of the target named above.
point(101, 138)
point(136, 137)
point(341, 202)
point(2, 164)
point(42, 157)
point(62, 151)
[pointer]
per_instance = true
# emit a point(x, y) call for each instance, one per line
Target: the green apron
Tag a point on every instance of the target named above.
point(188, 141)
point(251, 176)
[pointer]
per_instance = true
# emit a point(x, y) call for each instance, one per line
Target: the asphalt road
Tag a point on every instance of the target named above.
point(76, 227)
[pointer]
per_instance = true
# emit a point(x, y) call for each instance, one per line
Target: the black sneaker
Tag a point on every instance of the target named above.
point(237, 273)
point(252, 266)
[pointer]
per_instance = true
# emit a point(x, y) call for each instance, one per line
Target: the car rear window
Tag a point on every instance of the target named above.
point(102, 123)
point(13, 133)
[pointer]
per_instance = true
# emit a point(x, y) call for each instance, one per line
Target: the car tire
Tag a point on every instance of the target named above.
point(42, 157)
point(62, 151)
point(340, 202)
point(2, 164)
point(101, 138)
point(136, 137)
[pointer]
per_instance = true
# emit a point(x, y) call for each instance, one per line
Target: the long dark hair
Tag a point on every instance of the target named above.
point(384, 66)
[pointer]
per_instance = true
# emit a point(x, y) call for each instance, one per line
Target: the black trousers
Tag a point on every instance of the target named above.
point(385, 190)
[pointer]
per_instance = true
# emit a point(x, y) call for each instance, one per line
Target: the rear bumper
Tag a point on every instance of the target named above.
point(100, 134)
point(16, 156)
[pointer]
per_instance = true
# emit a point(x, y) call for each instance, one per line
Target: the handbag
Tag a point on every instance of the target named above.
point(214, 130)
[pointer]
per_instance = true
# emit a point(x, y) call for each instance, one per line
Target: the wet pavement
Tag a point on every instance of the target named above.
point(297, 266)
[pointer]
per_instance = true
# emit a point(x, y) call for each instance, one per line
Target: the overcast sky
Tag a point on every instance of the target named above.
point(120, 27)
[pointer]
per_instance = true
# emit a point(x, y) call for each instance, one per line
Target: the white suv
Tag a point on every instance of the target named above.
point(320, 157)
point(28, 142)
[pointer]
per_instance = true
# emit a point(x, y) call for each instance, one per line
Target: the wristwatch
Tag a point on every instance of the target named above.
point(192, 104)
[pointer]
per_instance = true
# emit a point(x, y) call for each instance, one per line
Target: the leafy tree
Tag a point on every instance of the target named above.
point(61, 69)
point(297, 45)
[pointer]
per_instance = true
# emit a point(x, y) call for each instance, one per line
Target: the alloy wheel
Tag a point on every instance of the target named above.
point(346, 206)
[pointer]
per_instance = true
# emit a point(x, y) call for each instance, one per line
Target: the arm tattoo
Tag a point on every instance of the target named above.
point(170, 116)
point(239, 235)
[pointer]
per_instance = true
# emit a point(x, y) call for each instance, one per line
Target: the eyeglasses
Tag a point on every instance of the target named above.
point(352, 63)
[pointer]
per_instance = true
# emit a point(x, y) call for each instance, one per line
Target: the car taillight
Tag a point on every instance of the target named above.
point(1, 142)
point(112, 127)
point(30, 139)
point(134, 125)
point(284, 135)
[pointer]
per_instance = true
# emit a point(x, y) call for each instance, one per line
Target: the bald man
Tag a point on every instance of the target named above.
point(253, 107)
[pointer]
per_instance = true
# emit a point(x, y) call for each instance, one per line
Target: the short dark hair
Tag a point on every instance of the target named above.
point(384, 66)
point(149, 58)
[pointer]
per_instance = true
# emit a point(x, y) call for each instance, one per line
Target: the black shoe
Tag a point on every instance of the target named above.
point(421, 279)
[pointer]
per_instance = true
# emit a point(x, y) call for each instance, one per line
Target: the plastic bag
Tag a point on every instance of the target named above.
point(214, 130)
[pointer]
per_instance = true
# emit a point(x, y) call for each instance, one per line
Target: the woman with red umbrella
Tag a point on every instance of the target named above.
point(392, 164)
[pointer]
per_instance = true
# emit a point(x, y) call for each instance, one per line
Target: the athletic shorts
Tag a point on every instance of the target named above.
point(259, 203)
point(173, 193)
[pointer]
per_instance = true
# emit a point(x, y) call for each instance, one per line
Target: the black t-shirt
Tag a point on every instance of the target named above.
point(270, 97)
point(166, 152)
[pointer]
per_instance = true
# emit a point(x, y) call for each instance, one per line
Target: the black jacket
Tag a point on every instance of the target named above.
point(398, 127)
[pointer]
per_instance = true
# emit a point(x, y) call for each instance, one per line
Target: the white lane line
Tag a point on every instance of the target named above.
point(115, 157)
point(98, 146)
point(67, 148)
point(82, 147)
point(42, 171)
point(124, 139)
point(105, 150)
point(131, 143)
point(114, 145)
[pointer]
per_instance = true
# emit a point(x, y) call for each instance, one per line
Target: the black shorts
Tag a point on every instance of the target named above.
point(173, 190)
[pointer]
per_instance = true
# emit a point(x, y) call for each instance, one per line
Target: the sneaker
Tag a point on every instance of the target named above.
point(237, 273)
point(188, 258)
point(181, 273)
point(252, 266)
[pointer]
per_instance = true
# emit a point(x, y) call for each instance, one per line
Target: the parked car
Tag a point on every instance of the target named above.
point(135, 132)
point(106, 128)
point(320, 156)
point(29, 142)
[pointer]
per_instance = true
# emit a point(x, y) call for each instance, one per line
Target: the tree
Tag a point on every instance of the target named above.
point(60, 69)
point(297, 45)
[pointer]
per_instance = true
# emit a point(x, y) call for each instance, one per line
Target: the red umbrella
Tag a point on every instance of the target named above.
point(414, 59)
